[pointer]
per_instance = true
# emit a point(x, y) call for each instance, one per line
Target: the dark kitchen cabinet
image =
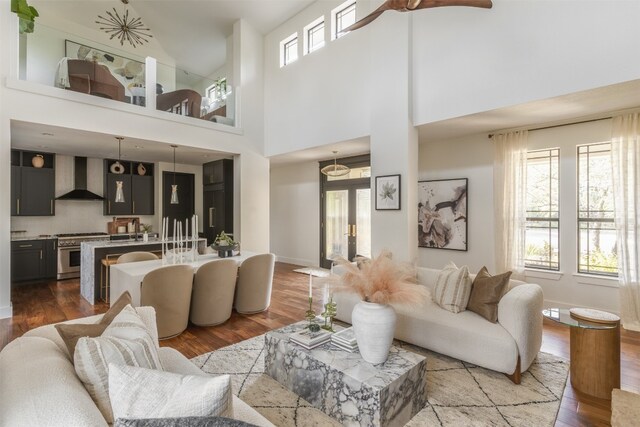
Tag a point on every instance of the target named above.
point(110, 206)
point(142, 194)
point(32, 188)
point(27, 260)
point(51, 258)
point(218, 198)
point(138, 189)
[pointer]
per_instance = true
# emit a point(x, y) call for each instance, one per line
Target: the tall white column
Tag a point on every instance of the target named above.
point(394, 139)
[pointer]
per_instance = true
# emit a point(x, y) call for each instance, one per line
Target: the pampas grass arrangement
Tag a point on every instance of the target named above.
point(381, 281)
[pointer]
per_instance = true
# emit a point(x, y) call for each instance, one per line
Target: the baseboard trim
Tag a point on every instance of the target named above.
point(560, 304)
point(6, 312)
point(296, 261)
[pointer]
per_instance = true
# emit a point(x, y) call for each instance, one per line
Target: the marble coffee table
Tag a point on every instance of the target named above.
point(343, 385)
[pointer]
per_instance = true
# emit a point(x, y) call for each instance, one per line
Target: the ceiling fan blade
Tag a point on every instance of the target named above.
point(364, 21)
point(424, 4)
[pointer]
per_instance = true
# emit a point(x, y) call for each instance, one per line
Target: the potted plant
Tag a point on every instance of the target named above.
point(146, 229)
point(381, 284)
point(26, 13)
point(224, 244)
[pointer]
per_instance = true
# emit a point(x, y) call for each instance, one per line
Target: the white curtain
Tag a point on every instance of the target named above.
point(510, 197)
point(625, 152)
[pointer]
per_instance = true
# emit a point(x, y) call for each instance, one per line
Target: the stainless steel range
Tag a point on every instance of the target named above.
point(69, 252)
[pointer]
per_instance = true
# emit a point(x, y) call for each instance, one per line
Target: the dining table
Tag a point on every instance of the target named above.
point(129, 276)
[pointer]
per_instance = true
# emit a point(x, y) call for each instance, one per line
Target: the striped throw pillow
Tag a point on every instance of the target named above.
point(453, 288)
point(126, 341)
point(145, 393)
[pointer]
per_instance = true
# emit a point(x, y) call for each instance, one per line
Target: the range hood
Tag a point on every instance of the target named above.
point(80, 191)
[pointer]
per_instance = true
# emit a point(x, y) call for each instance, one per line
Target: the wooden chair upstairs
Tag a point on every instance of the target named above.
point(213, 290)
point(168, 290)
point(255, 279)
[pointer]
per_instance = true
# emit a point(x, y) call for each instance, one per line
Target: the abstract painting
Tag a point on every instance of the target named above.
point(442, 214)
point(388, 193)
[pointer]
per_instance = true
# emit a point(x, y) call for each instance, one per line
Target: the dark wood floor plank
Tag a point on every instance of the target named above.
point(43, 303)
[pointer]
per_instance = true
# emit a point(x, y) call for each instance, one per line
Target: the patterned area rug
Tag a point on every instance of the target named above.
point(459, 393)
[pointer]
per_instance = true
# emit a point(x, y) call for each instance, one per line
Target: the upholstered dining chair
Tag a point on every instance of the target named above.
point(255, 279)
point(136, 257)
point(168, 290)
point(214, 286)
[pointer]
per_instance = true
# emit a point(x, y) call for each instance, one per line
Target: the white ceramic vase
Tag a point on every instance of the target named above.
point(374, 326)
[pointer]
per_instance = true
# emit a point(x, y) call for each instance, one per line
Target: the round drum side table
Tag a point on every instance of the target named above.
point(595, 349)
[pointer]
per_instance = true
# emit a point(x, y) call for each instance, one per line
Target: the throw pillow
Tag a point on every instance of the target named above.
point(145, 393)
point(71, 333)
point(181, 422)
point(125, 341)
point(486, 293)
point(452, 288)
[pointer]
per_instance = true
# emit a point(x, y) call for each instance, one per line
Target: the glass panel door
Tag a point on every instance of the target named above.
point(363, 222)
point(337, 224)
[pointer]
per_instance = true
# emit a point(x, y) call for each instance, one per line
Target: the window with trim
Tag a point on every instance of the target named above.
point(342, 17)
point(218, 90)
point(543, 219)
point(314, 35)
point(289, 50)
point(597, 252)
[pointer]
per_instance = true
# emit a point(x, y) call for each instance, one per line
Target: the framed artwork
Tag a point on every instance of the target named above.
point(442, 214)
point(128, 71)
point(388, 193)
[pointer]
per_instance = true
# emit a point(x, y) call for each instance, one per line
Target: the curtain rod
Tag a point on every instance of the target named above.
point(565, 124)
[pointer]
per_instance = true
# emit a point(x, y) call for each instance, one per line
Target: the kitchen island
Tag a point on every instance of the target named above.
point(93, 252)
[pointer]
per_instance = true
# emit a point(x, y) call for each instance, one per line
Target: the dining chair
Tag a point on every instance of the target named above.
point(168, 290)
point(255, 279)
point(136, 257)
point(214, 286)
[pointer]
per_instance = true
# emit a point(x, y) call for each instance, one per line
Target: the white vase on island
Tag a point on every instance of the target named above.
point(374, 326)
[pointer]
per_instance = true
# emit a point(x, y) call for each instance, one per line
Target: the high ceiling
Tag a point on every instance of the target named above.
point(193, 32)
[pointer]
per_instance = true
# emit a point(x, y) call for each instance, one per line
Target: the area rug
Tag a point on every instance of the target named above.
point(459, 393)
point(314, 271)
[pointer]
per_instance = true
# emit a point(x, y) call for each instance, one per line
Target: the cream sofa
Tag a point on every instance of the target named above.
point(39, 385)
point(509, 346)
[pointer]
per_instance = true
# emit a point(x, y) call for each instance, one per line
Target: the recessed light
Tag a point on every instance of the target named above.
point(138, 147)
point(47, 133)
point(43, 146)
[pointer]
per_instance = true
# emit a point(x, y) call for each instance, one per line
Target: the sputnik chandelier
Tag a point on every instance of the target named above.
point(124, 27)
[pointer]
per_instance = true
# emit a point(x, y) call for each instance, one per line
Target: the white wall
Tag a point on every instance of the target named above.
point(472, 157)
point(469, 60)
point(295, 213)
point(321, 98)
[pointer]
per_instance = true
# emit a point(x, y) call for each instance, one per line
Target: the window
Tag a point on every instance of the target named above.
point(289, 50)
point(314, 35)
point(596, 228)
point(218, 90)
point(543, 222)
point(342, 17)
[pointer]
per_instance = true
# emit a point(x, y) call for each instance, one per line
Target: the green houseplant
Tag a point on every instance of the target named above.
point(26, 13)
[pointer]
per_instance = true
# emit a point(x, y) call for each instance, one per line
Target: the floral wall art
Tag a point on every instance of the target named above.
point(388, 192)
point(442, 214)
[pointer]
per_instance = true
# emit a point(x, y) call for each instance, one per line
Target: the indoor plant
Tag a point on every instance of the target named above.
point(380, 284)
point(26, 13)
point(224, 244)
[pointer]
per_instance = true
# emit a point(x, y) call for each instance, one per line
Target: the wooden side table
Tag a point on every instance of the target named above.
point(595, 349)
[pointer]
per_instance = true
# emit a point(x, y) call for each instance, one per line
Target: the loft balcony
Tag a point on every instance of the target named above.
point(65, 63)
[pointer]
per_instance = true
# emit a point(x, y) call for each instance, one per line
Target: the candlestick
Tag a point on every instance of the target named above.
point(310, 285)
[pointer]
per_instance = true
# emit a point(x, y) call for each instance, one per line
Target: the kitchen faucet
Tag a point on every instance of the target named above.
point(136, 227)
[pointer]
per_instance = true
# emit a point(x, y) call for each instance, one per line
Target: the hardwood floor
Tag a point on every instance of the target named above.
point(44, 303)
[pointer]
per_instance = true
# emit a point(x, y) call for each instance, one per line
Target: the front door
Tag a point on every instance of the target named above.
point(346, 213)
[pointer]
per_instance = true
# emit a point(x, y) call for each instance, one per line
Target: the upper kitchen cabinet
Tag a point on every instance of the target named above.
point(217, 172)
point(33, 183)
point(137, 186)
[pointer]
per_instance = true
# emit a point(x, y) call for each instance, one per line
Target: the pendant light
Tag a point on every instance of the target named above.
point(174, 187)
point(335, 169)
point(119, 193)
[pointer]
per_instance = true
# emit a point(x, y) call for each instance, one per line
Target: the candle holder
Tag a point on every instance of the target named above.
point(330, 311)
point(311, 317)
